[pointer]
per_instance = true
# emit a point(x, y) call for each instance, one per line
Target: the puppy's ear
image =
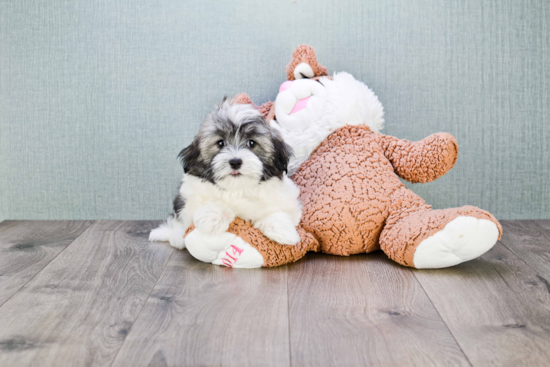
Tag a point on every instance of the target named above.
point(190, 155)
point(222, 102)
point(283, 153)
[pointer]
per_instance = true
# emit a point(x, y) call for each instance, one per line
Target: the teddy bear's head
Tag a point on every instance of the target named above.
point(311, 105)
point(311, 99)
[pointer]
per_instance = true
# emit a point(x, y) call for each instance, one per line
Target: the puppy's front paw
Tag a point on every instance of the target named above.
point(213, 218)
point(279, 228)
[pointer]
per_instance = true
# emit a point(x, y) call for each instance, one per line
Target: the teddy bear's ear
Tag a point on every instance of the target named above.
point(242, 98)
point(304, 64)
point(266, 109)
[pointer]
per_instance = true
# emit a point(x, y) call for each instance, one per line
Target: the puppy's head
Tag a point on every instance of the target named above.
point(236, 148)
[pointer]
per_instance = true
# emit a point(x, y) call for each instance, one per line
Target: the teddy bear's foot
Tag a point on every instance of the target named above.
point(463, 239)
point(223, 249)
point(425, 239)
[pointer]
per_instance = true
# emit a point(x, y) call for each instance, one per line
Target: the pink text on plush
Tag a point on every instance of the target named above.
point(229, 260)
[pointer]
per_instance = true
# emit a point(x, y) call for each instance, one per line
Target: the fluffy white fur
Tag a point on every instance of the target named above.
point(272, 206)
point(332, 104)
point(216, 188)
point(251, 170)
point(303, 69)
point(172, 231)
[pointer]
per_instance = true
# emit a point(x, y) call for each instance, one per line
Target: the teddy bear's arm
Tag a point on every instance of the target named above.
point(422, 161)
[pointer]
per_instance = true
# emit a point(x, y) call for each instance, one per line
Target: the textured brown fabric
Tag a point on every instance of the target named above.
point(422, 161)
point(345, 187)
point(267, 109)
point(354, 201)
point(242, 98)
point(304, 53)
point(273, 253)
point(412, 221)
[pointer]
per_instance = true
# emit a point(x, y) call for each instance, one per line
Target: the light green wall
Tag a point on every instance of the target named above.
point(98, 97)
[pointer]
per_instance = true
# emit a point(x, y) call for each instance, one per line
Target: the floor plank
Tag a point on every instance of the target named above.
point(80, 308)
point(364, 310)
point(497, 308)
point(26, 247)
point(205, 315)
point(530, 241)
point(112, 297)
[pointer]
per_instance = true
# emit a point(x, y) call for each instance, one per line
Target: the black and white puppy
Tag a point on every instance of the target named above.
point(235, 167)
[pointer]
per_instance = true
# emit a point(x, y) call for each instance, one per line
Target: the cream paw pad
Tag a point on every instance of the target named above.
point(462, 239)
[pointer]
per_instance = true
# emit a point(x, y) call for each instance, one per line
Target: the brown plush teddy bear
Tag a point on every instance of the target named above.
point(348, 174)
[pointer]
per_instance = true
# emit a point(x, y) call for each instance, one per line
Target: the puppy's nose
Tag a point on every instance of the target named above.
point(235, 163)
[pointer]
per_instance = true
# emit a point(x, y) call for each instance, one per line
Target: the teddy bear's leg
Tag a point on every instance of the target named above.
point(419, 237)
point(244, 246)
point(223, 249)
point(274, 254)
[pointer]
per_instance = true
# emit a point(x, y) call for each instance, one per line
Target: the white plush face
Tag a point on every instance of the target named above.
point(330, 102)
point(295, 106)
point(309, 110)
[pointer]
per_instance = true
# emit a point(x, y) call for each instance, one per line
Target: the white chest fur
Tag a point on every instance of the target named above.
point(252, 202)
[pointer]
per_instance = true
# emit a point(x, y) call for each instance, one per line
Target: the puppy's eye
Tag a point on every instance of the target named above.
point(251, 144)
point(221, 144)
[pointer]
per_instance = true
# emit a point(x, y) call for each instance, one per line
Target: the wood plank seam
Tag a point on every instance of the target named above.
point(49, 262)
point(492, 305)
point(442, 319)
point(541, 277)
point(288, 317)
point(364, 310)
point(142, 307)
point(82, 305)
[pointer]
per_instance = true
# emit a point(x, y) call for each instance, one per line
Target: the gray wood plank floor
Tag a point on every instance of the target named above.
point(27, 247)
point(81, 293)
